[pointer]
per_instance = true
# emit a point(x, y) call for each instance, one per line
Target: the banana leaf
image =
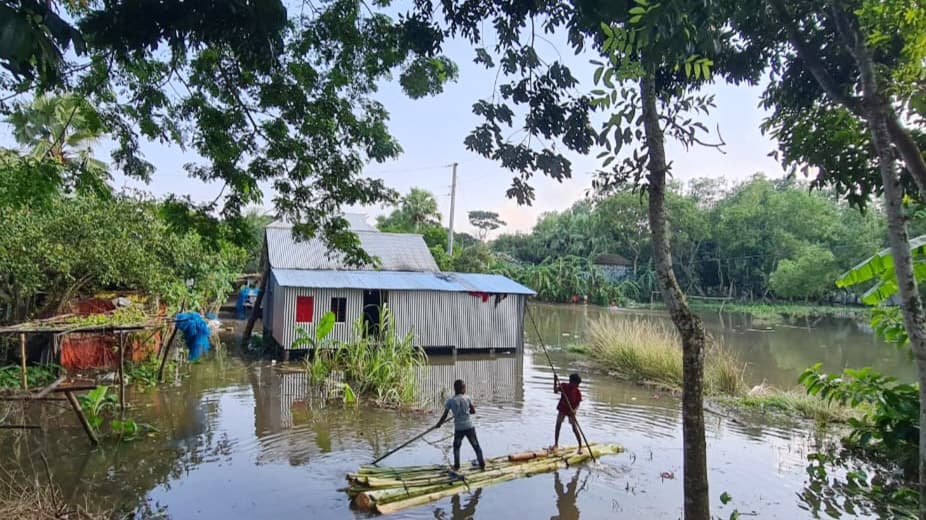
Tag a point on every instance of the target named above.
point(881, 266)
point(887, 287)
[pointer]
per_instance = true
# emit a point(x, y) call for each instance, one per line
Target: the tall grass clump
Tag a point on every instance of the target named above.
point(647, 351)
point(380, 365)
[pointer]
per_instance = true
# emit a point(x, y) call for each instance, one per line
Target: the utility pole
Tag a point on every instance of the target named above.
point(453, 200)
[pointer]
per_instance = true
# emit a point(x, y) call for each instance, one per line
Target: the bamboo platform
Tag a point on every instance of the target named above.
point(388, 490)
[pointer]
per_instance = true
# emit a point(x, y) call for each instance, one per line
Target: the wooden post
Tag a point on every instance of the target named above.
point(22, 355)
point(81, 417)
point(255, 312)
point(122, 371)
point(166, 350)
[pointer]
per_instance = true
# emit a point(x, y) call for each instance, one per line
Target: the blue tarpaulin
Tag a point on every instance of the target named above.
point(195, 332)
point(243, 295)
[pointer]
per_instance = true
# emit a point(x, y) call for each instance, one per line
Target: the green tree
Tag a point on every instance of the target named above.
point(81, 244)
point(665, 50)
point(485, 221)
point(419, 207)
point(415, 212)
point(476, 258)
point(60, 129)
point(847, 101)
point(810, 275)
point(260, 94)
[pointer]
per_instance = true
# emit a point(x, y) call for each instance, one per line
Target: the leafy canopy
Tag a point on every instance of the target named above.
point(261, 94)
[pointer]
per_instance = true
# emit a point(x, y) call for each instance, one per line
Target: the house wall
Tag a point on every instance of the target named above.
point(285, 326)
point(453, 319)
point(436, 318)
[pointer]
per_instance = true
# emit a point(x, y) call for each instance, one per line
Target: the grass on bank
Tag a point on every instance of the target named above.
point(794, 402)
point(650, 352)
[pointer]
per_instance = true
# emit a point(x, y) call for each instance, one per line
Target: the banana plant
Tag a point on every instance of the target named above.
point(94, 403)
point(880, 267)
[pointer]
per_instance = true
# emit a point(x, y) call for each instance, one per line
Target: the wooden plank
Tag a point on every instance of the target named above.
point(82, 418)
point(48, 389)
point(76, 388)
point(22, 355)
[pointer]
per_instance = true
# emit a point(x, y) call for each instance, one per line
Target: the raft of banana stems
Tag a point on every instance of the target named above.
point(387, 490)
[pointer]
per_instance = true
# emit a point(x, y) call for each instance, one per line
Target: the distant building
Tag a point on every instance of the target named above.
point(615, 267)
point(444, 311)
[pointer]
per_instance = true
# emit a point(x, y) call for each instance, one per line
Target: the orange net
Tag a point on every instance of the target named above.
point(95, 350)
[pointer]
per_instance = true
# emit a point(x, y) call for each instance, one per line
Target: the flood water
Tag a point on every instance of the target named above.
point(239, 438)
point(775, 352)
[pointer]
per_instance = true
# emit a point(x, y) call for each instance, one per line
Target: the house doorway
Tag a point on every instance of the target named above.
point(373, 301)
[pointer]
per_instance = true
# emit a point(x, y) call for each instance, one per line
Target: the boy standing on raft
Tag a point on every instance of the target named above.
point(462, 407)
point(568, 408)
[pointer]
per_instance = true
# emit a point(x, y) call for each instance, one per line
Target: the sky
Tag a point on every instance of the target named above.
point(431, 132)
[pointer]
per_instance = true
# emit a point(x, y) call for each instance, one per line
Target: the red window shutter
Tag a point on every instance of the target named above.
point(305, 307)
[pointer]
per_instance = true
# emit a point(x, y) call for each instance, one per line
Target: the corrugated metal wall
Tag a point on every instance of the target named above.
point(437, 319)
point(443, 319)
point(284, 327)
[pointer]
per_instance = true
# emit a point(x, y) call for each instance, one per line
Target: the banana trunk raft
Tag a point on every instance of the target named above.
point(388, 490)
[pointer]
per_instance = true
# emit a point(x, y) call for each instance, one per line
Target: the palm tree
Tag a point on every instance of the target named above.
point(58, 127)
point(61, 129)
point(420, 207)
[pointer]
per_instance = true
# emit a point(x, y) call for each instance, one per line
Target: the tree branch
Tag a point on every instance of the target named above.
point(903, 142)
point(812, 60)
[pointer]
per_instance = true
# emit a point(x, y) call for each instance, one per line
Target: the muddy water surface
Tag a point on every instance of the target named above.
point(239, 438)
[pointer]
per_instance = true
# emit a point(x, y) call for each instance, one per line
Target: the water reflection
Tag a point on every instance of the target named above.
point(566, 496)
point(461, 508)
point(243, 439)
point(285, 400)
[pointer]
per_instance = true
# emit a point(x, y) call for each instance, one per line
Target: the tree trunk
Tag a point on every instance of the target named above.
point(878, 112)
point(690, 328)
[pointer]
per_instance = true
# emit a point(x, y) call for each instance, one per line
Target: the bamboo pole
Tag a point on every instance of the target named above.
point(22, 355)
point(81, 417)
point(572, 412)
point(403, 495)
point(122, 371)
point(170, 341)
point(406, 443)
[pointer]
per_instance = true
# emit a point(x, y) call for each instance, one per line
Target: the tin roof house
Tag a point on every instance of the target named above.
point(445, 311)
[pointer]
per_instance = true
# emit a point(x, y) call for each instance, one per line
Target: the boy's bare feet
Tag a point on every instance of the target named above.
point(580, 450)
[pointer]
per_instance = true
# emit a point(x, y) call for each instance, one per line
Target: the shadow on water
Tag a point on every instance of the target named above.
point(241, 438)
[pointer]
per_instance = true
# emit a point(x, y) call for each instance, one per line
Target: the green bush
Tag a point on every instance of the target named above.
point(382, 366)
point(889, 424)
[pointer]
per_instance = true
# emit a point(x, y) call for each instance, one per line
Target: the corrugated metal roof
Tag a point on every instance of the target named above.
point(396, 251)
point(400, 281)
point(357, 221)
